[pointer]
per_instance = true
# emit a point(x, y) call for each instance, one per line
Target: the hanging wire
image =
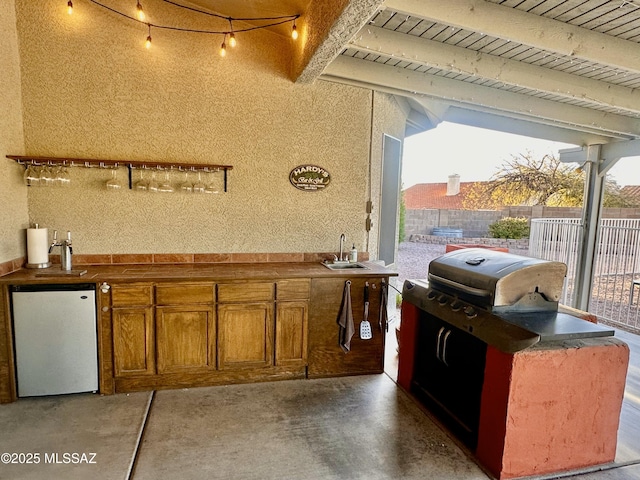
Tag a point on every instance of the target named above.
point(280, 20)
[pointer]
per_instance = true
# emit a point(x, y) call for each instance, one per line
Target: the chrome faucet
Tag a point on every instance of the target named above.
point(342, 240)
point(65, 250)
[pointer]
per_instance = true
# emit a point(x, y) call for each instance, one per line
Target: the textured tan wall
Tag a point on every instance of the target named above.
point(13, 194)
point(91, 90)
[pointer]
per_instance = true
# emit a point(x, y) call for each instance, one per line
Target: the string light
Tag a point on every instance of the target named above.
point(141, 15)
point(70, 7)
point(232, 36)
point(271, 22)
point(223, 47)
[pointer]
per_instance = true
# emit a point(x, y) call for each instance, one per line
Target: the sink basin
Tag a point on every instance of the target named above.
point(344, 266)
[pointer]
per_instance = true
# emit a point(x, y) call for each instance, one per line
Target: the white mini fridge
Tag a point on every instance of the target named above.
point(55, 339)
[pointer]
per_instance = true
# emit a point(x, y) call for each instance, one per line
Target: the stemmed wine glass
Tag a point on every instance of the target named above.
point(153, 184)
point(186, 186)
point(47, 176)
point(113, 183)
point(165, 186)
point(32, 176)
point(62, 178)
point(199, 187)
point(211, 186)
point(142, 185)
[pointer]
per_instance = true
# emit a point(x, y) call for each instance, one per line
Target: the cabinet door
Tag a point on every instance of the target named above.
point(291, 333)
point(185, 338)
point(449, 374)
point(133, 348)
point(326, 358)
point(246, 335)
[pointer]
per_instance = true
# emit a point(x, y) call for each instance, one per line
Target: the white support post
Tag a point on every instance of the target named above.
point(591, 211)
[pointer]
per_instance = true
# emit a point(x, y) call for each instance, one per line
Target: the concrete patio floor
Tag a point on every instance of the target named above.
point(340, 428)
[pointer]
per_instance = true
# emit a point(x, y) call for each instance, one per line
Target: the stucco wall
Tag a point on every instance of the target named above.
point(92, 90)
point(13, 194)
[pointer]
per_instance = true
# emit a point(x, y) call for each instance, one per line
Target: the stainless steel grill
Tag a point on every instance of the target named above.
point(508, 301)
point(473, 300)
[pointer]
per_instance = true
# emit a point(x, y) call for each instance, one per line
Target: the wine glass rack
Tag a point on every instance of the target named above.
point(129, 164)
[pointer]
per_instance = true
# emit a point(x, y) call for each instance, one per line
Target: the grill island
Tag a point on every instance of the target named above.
point(529, 389)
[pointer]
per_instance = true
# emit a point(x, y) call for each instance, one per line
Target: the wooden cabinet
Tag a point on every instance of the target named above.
point(185, 327)
point(191, 333)
point(326, 358)
point(292, 314)
point(185, 338)
point(246, 325)
point(246, 335)
point(133, 329)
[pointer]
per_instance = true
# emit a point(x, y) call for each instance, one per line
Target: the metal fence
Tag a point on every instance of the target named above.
point(615, 296)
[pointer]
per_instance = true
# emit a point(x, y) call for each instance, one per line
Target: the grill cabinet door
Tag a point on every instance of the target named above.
point(448, 375)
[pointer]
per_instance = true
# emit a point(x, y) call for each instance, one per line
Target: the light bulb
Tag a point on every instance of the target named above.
point(223, 49)
point(148, 42)
point(294, 32)
point(232, 40)
point(70, 7)
point(140, 12)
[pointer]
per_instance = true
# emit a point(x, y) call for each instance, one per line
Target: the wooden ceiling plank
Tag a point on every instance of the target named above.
point(598, 16)
point(460, 60)
point(575, 13)
point(420, 28)
point(528, 5)
point(526, 28)
point(626, 31)
point(510, 50)
point(407, 26)
point(545, 7)
point(557, 11)
point(473, 96)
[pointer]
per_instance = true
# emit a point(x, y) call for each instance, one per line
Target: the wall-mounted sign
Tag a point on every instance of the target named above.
point(310, 178)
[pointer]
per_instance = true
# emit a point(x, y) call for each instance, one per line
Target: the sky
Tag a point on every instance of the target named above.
point(476, 154)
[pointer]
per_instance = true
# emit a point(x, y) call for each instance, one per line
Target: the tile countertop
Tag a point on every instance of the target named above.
point(181, 272)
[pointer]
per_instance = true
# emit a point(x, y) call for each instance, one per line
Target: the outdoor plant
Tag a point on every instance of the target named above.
point(510, 227)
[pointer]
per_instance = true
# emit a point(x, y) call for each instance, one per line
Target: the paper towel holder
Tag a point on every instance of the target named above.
point(39, 265)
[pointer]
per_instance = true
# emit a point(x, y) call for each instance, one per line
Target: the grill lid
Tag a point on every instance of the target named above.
point(498, 280)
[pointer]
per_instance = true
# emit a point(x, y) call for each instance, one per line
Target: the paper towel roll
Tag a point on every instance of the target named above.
point(37, 246)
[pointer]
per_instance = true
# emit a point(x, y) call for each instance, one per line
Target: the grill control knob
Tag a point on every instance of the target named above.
point(456, 305)
point(470, 312)
point(442, 300)
point(431, 295)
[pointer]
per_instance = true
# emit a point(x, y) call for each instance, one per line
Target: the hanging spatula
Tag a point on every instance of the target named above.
point(365, 326)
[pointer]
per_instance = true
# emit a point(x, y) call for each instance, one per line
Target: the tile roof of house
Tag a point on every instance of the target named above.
point(632, 191)
point(434, 195)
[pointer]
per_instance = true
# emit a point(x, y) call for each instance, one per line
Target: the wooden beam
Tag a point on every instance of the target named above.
point(430, 53)
point(475, 96)
point(524, 127)
point(526, 28)
point(617, 150)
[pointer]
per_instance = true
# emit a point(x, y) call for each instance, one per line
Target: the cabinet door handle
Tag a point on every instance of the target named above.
point(444, 347)
point(440, 332)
